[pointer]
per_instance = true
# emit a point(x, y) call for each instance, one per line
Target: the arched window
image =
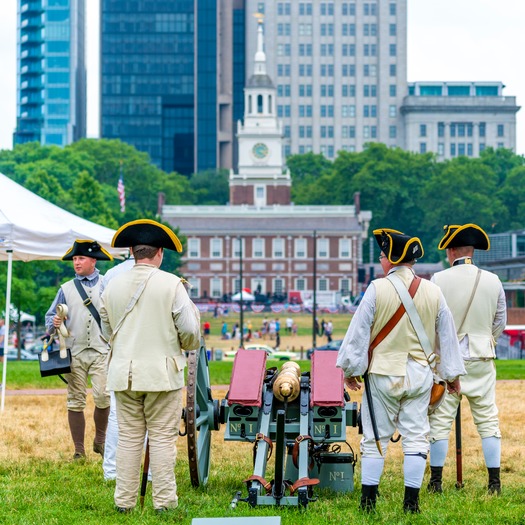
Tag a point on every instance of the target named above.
point(249, 103)
point(269, 103)
point(259, 103)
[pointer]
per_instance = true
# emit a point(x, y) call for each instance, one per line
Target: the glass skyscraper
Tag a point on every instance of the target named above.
point(161, 87)
point(51, 75)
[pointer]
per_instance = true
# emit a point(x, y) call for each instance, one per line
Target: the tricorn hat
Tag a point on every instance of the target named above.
point(87, 248)
point(465, 235)
point(398, 247)
point(146, 231)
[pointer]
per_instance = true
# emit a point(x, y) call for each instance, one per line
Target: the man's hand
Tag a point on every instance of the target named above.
point(353, 383)
point(454, 387)
point(57, 321)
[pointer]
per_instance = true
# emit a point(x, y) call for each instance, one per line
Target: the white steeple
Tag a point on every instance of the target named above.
point(260, 56)
point(262, 179)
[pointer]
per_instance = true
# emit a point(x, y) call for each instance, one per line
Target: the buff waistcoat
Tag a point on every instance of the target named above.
point(84, 330)
point(390, 356)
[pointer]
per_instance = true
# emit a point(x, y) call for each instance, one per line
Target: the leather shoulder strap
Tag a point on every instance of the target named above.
point(87, 302)
point(389, 326)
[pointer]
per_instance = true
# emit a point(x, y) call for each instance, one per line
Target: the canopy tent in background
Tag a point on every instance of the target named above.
point(31, 229)
point(246, 296)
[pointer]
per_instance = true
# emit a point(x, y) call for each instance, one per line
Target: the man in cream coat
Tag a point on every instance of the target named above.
point(150, 321)
point(399, 374)
point(477, 301)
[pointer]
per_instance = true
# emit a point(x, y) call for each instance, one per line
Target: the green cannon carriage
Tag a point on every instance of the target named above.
point(299, 418)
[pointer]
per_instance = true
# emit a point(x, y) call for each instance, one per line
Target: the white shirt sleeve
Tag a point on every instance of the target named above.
point(353, 353)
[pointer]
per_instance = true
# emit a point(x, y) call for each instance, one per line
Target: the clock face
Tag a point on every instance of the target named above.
point(260, 150)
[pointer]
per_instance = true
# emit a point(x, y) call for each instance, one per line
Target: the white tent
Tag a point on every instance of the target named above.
point(246, 296)
point(32, 228)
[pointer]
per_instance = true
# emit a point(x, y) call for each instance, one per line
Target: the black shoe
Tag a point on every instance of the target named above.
point(494, 486)
point(123, 510)
point(411, 502)
point(435, 483)
point(368, 497)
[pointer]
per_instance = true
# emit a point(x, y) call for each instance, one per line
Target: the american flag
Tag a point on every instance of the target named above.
point(121, 191)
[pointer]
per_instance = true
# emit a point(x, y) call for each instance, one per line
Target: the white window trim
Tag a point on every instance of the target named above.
point(281, 241)
point(219, 289)
point(197, 247)
point(296, 242)
point(217, 240)
point(321, 241)
point(260, 240)
point(341, 243)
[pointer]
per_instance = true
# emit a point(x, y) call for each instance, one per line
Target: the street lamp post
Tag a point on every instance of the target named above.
point(241, 344)
point(314, 309)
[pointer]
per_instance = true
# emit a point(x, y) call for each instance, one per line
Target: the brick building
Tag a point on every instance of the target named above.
point(275, 243)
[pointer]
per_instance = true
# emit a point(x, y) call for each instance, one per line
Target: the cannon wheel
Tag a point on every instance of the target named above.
point(201, 416)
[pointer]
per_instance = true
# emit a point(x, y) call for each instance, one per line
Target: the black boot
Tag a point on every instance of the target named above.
point(494, 481)
point(411, 503)
point(368, 497)
point(436, 478)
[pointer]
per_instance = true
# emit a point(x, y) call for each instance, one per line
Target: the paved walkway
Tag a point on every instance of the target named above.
point(63, 391)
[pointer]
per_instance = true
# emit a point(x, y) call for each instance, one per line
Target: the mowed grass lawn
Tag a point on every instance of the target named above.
point(39, 484)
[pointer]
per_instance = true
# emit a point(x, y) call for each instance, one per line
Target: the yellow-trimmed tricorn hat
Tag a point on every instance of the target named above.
point(146, 231)
point(87, 248)
point(464, 235)
point(398, 247)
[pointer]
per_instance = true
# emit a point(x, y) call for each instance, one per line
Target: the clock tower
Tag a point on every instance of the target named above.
point(262, 179)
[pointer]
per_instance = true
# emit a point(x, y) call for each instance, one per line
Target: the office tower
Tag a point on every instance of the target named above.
point(51, 75)
point(458, 118)
point(340, 70)
point(167, 72)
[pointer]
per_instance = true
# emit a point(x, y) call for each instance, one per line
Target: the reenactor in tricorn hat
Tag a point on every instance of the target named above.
point(477, 301)
point(75, 312)
point(150, 322)
point(398, 377)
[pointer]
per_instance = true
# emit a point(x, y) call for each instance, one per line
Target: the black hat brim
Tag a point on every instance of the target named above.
point(87, 248)
point(148, 232)
point(398, 247)
point(464, 235)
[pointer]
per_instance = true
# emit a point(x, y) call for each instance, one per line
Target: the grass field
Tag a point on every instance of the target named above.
point(39, 484)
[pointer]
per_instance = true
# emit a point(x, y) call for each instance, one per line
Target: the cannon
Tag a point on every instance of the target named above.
point(300, 418)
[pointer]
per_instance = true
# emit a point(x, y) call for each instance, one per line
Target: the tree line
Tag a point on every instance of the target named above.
point(410, 192)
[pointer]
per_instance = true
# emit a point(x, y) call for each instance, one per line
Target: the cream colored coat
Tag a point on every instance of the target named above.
point(147, 352)
point(457, 284)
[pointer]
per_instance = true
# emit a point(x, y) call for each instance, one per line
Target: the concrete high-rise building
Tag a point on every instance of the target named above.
point(172, 75)
point(458, 118)
point(51, 74)
point(340, 69)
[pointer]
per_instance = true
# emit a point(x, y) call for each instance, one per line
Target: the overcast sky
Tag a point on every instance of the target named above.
point(463, 40)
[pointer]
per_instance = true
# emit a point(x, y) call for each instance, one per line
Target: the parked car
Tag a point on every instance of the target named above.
point(272, 353)
point(333, 345)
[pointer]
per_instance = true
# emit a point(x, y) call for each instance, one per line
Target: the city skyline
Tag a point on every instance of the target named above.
point(438, 39)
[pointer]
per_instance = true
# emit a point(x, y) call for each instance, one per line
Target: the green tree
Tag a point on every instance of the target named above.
point(463, 191)
point(89, 201)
